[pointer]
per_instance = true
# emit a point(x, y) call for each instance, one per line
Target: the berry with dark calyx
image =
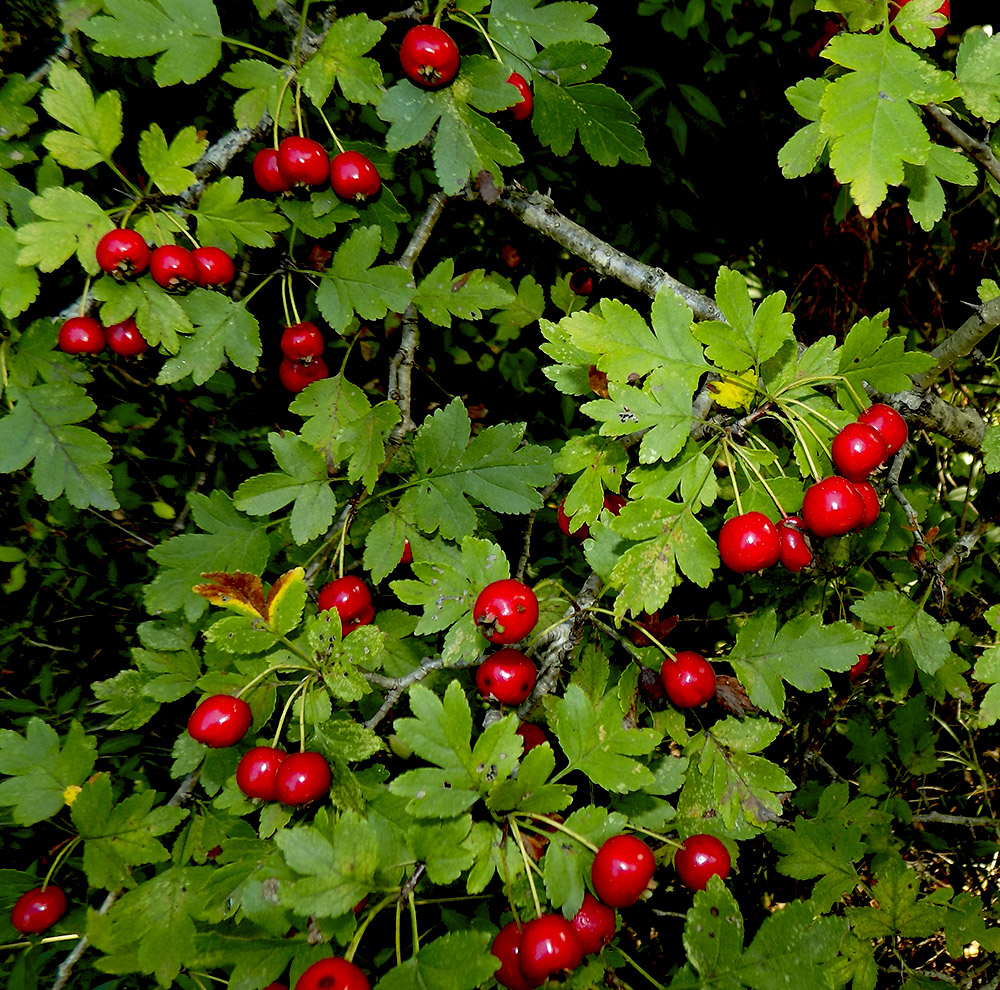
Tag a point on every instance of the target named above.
point(595, 924)
point(548, 946)
point(505, 947)
point(857, 450)
point(81, 335)
point(351, 598)
point(214, 267)
point(257, 772)
point(859, 668)
point(122, 253)
point(301, 341)
point(582, 281)
point(302, 778)
point(303, 161)
point(296, 375)
point(889, 423)
point(429, 56)
point(220, 720)
point(333, 973)
point(621, 870)
point(353, 176)
point(265, 171)
point(700, 858)
point(522, 109)
point(38, 909)
point(507, 675)
point(795, 553)
point(832, 507)
point(531, 736)
point(505, 611)
point(173, 268)
point(689, 679)
point(125, 339)
point(749, 542)
point(871, 504)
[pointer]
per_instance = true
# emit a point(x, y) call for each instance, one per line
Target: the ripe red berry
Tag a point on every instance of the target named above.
point(333, 974)
point(857, 450)
point(301, 341)
point(870, 501)
point(582, 281)
point(213, 265)
point(505, 947)
point(832, 507)
point(122, 253)
point(548, 946)
point(859, 668)
point(302, 778)
point(595, 924)
point(296, 375)
point(173, 268)
point(81, 335)
point(220, 720)
point(506, 611)
point(257, 772)
point(522, 109)
point(38, 910)
point(531, 736)
point(265, 171)
point(508, 676)
point(407, 556)
point(353, 176)
point(699, 858)
point(889, 423)
point(749, 543)
point(622, 869)
point(794, 553)
point(125, 339)
point(429, 56)
point(302, 160)
point(351, 598)
point(688, 679)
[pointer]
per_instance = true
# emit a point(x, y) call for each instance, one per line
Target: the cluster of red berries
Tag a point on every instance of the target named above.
point(301, 364)
point(352, 600)
point(301, 161)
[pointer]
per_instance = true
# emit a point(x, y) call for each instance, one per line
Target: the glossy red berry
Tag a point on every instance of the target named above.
point(595, 924)
point(889, 423)
point(38, 910)
point(407, 555)
point(257, 772)
point(214, 267)
point(505, 947)
point(688, 679)
point(507, 676)
point(265, 171)
point(622, 869)
point(296, 375)
point(794, 553)
point(351, 598)
point(582, 281)
point(832, 507)
point(302, 778)
point(869, 499)
point(548, 946)
point(81, 335)
point(125, 339)
point(531, 736)
point(302, 160)
point(429, 56)
point(301, 341)
point(353, 176)
point(220, 720)
point(859, 668)
point(122, 253)
point(857, 450)
point(522, 109)
point(506, 611)
point(749, 543)
point(699, 858)
point(333, 974)
point(173, 268)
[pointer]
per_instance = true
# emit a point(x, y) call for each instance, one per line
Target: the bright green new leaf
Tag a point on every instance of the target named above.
point(328, 407)
point(917, 21)
point(440, 295)
point(340, 59)
point(18, 285)
point(225, 220)
point(926, 199)
point(264, 84)
point(991, 449)
point(520, 25)
point(602, 464)
point(366, 438)
point(95, 126)
point(71, 223)
point(977, 69)
point(456, 961)
point(159, 315)
point(521, 311)
point(167, 164)
point(987, 671)
point(870, 355)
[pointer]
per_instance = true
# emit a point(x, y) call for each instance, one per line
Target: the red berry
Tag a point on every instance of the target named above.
point(582, 281)
point(531, 736)
point(257, 772)
point(548, 946)
point(429, 56)
point(859, 668)
point(125, 339)
point(688, 679)
point(622, 869)
point(505, 947)
point(122, 253)
point(407, 557)
point(296, 375)
point(173, 268)
point(302, 160)
point(566, 524)
point(794, 553)
point(749, 543)
point(352, 600)
point(595, 924)
point(81, 335)
point(220, 720)
point(265, 171)
point(522, 109)
point(333, 974)
point(857, 450)
point(506, 611)
point(213, 265)
point(832, 507)
point(889, 423)
point(302, 778)
point(38, 910)
point(871, 504)
point(353, 176)
point(508, 676)
point(699, 858)
point(301, 341)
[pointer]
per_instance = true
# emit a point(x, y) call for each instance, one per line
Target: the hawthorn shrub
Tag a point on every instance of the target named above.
point(294, 447)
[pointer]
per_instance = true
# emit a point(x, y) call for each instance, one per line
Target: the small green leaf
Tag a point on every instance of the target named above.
point(225, 220)
point(977, 68)
point(340, 61)
point(440, 295)
point(71, 223)
point(167, 164)
point(95, 126)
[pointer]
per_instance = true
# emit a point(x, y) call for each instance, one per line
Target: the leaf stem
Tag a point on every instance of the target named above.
point(562, 828)
point(732, 476)
point(465, 18)
point(236, 43)
point(640, 970)
point(748, 463)
point(288, 704)
point(329, 127)
point(366, 921)
point(527, 866)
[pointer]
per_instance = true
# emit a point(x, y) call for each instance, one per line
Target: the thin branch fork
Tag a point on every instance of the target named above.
point(978, 150)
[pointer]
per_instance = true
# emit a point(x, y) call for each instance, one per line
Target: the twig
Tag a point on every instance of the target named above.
point(395, 686)
point(962, 547)
point(962, 342)
point(893, 484)
point(978, 150)
point(525, 553)
point(937, 816)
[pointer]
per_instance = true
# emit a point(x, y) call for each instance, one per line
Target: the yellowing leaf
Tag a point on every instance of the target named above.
point(736, 392)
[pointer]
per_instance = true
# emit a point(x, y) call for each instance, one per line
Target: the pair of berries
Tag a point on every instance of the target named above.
point(270, 774)
point(84, 335)
point(301, 345)
point(301, 161)
point(123, 253)
point(505, 611)
point(862, 446)
point(351, 599)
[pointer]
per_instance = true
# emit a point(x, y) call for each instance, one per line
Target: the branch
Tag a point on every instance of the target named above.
point(962, 547)
point(962, 342)
point(395, 686)
point(977, 150)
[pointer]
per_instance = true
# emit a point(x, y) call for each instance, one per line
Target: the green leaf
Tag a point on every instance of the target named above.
point(987, 671)
point(917, 21)
point(924, 635)
point(991, 449)
point(519, 25)
point(900, 911)
point(456, 961)
point(167, 164)
point(95, 126)
point(340, 60)
point(18, 285)
point(713, 935)
point(328, 407)
point(868, 356)
point(264, 83)
point(225, 220)
point(16, 117)
point(71, 223)
point(602, 464)
point(976, 68)
point(440, 295)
